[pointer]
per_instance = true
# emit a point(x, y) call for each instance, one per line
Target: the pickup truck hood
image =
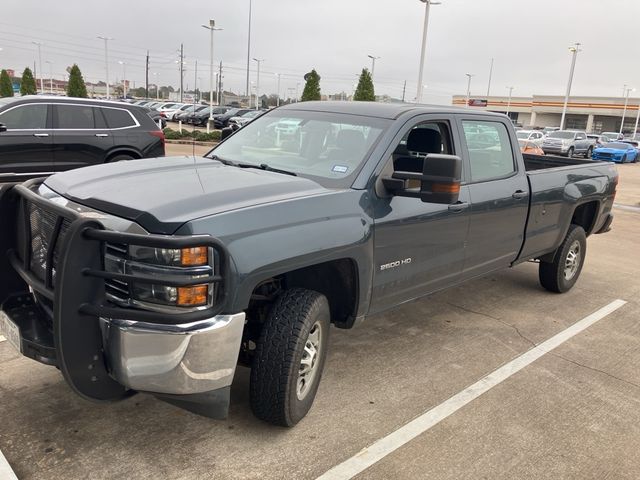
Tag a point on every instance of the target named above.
point(160, 194)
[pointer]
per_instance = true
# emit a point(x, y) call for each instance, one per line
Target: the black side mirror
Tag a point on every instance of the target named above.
point(439, 180)
point(3, 127)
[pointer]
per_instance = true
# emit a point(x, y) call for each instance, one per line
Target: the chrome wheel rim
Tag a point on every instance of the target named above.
point(309, 363)
point(572, 261)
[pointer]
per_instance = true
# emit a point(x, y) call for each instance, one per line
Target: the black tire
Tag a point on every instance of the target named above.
point(624, 159)
point(589, 152)
point(121, 158)
point(570, 152)
point(275, 372)
point(552, 274)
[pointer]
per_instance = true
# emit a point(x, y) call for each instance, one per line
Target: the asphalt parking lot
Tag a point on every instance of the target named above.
point(574, 412)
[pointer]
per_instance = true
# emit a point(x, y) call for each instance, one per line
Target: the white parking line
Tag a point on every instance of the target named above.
point(6, 473)
point(386, 445)
point(2, 339)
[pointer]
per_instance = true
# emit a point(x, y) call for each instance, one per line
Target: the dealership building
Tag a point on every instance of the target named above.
point(593, 114)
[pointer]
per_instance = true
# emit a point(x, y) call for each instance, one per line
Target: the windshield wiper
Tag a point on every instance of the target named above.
point(264, 166)
point(223, 160)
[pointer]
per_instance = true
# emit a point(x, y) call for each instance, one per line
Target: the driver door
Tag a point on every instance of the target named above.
point(418, 247)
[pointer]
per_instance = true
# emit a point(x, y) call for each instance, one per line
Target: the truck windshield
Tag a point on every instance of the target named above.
point(328, 147)
point(562, 135)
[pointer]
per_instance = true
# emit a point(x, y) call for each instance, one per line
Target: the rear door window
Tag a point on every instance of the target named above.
point(490, 151)
point(25, 117)
point(74, 117)
point(118, 118)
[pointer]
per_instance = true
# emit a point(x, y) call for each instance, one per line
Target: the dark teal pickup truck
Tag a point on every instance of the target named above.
point(162, 275)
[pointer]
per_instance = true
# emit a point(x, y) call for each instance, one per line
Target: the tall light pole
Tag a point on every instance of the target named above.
point(212, 28)
point(40, 66)
point(427, 4)
point(50, 77)
point(626, 102)
point(124, 76)
point(278, 95)
point(297, 91)
point(509, 101)
point(249, 54)
point(157, 75)
point(106, 61)
point(490, 75)
point(373, 64)
point(574, 49)
point(469, 76)
point(258, 61)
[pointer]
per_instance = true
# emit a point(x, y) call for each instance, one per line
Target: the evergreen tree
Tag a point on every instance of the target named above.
point(364, 91)
point(76, 86)
point(28, 84)
point(6, 87)
point(312, 87)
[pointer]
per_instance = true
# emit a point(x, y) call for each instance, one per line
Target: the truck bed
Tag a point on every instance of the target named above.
point(543, 162)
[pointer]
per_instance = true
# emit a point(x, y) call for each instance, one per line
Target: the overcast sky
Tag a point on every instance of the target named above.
point(527, 38)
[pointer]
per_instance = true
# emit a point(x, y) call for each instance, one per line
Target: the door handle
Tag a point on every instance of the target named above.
point(458, 207)
point(102, 134)
point(40, 134)
point(518, 194)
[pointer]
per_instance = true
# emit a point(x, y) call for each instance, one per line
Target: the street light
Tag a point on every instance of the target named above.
point(427, 4)
point(249, 54)
point(212, 28)
point(469, 76)
point(106, 61)
point(509, 101)
point(373, 64)
point(258, 60)
point(40, 66)
point(278, 94)
point(124, 75)
point(574, 49)
point(157, 75)
point(626, 102)
point(50, 77)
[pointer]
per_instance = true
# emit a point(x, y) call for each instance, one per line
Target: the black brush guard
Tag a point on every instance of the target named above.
point(76, 301)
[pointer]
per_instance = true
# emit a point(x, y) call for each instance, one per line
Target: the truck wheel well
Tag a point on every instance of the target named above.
point(585, 215)
point(337, 280)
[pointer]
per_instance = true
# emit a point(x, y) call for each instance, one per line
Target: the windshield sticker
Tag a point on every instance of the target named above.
point(339, 169)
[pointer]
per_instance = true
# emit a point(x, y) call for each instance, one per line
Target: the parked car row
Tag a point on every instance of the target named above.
point(46, 134)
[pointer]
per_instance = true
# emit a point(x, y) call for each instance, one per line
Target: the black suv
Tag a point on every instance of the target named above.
point(40, 134)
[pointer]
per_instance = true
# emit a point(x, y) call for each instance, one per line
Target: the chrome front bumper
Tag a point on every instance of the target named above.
point(173, 359)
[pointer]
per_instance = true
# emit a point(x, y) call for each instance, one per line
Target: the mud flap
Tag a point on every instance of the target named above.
point(77, 336)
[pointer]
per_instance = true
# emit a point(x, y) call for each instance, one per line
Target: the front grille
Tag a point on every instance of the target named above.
point(603, 155)
point(42, 225)
point(117, 290)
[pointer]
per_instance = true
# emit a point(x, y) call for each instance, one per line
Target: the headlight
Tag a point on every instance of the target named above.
point(181, 269)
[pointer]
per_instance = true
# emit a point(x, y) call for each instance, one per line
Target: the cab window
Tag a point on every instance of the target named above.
point(490, 151)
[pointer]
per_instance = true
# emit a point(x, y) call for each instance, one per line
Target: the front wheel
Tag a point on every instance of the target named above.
point(570, 152)
point(589, 152)
point(563, 271)
point(624, 159)
point(289, 357)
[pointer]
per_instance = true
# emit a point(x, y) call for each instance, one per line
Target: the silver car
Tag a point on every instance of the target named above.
point(567, 143)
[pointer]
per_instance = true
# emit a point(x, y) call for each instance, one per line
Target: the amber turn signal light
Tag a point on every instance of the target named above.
point(192, 296)
point(194, 256)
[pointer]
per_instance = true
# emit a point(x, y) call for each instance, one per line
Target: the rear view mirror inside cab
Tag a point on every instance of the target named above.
point(439, 180)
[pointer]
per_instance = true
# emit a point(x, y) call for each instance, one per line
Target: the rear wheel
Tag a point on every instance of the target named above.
point(589, 152)
point(289, 357)
point(563, 271)
point(624, 159)
point(570, 152)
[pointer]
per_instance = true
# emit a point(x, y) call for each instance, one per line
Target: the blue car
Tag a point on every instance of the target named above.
point(616, 152)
